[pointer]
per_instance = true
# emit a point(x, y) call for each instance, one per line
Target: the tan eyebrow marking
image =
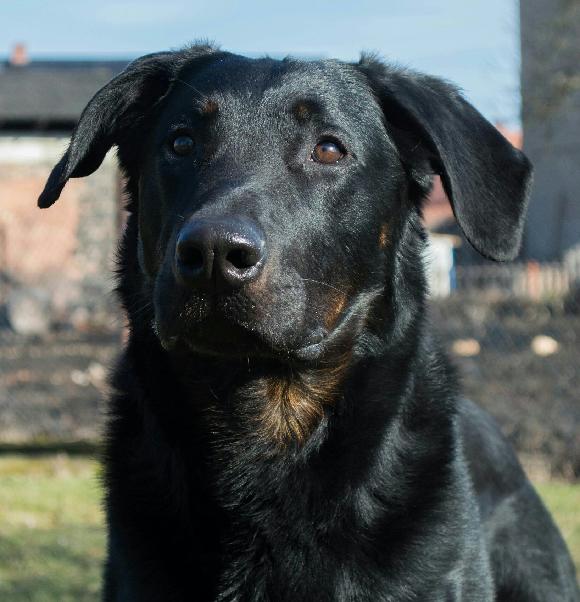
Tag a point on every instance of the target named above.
point(209, 107)
point(302, 111)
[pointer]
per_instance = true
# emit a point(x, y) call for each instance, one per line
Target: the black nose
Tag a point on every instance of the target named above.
point(219, 254)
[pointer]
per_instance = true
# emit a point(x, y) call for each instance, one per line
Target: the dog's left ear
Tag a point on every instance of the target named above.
point(114, 110)
point(486, 179)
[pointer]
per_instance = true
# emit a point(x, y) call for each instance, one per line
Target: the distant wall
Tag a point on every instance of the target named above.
point(550, 32)
point(66, 250)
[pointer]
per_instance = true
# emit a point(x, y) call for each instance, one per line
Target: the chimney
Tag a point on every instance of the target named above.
point(19, 55)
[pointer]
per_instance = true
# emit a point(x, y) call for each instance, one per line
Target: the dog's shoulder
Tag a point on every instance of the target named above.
point(492, 462)
point(524, 544)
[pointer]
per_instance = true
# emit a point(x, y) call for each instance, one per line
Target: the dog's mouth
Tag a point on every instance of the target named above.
point(235, 327)
point(222, 335)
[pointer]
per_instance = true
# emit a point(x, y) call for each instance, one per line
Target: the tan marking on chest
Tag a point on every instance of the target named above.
point(294, 403)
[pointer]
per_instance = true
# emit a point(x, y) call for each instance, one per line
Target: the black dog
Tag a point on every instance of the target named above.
point(284, 425)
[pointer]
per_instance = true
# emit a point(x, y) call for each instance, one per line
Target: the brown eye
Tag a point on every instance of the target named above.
point(327, 152)
point(182, 145)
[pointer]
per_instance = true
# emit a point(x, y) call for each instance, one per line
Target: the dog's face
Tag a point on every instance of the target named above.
point(266, 193)
point(274, 197)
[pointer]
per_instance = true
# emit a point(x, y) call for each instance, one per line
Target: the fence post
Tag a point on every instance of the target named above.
point(533, 279)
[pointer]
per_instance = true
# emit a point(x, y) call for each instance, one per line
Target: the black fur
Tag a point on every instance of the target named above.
point(302, 438)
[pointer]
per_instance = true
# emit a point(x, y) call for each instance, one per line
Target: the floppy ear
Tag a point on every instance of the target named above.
point(112, 111)
point(486, 179)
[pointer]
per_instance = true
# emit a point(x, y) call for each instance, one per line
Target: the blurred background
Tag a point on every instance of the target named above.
point(512, 329)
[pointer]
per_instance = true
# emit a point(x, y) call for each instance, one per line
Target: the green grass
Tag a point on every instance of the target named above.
point(563, 501)
point(51, 527)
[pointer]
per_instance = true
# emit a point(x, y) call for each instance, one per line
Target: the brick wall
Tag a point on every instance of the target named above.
point(67, 250)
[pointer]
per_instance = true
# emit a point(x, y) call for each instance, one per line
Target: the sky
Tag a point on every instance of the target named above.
point(473, 43)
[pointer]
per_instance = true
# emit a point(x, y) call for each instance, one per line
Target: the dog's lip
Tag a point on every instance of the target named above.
point(171, 340)
point(309, 352)
point(327, 339)
point(319, 343)
point(332, 339)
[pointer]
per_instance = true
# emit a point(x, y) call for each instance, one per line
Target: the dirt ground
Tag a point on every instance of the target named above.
point(52, 389)
point(535, 397)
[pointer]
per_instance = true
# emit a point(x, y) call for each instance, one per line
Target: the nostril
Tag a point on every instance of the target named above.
point(241, 258)
point(191, 257)
point(218, 255)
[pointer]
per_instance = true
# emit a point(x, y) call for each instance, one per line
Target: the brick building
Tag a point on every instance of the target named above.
point(65, 252)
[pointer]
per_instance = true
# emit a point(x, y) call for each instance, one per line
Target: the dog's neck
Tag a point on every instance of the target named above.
point(280, 409)
point(385, 437)
point(281, 405)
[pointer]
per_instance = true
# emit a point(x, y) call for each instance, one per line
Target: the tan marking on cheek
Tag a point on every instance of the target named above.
point(294, 403)
point(335, 310)
point(384, 236)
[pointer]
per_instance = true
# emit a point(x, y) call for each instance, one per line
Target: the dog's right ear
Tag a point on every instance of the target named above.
point(436, 130)
point(112, 111)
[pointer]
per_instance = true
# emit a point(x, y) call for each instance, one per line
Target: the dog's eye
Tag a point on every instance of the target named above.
point(328, 151)
point(182, 145)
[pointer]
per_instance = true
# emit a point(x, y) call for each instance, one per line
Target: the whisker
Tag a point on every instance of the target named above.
point(138, 311)
point(199, 96)
point(323, 284)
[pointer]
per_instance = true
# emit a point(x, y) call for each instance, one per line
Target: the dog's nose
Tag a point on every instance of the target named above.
point(219, 254)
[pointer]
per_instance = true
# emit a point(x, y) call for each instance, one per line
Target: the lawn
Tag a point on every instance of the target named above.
point(51, 534)
point(51, 529)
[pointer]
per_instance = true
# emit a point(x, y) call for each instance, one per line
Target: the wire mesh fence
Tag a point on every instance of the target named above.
point(519, 358)
point(513, 330)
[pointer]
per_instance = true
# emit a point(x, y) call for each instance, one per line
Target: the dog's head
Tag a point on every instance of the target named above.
point(275, 202)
